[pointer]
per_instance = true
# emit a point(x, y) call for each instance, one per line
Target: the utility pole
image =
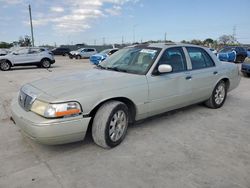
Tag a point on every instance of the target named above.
point(122, 40)
point(103, 40)
point(234, 33)
point(134, 26)
point(165, 37)
point(31, 26)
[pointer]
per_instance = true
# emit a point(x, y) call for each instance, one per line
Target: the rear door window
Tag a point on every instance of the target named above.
point(199, 58)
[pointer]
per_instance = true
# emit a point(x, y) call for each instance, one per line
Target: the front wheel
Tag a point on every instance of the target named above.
point(110, 124)
point(218, 96)
point(45, 63)
point(5, 65)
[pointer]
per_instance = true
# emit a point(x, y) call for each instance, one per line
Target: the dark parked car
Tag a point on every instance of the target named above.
point(248, 52)
point(245, 69)
point(60, 51)
point(232, 54)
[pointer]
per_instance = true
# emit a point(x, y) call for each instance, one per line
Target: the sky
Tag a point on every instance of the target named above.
point(113, 21)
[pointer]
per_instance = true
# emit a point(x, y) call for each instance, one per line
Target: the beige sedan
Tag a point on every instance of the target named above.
point(135, 83)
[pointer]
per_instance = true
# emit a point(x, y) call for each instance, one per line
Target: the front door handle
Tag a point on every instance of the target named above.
point(215, 72)
point(188, 77)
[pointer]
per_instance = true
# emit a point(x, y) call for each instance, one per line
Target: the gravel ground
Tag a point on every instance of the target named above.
point(191, 147)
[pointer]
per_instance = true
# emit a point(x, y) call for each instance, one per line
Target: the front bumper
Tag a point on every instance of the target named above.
point(53, 61)
point(49, 131)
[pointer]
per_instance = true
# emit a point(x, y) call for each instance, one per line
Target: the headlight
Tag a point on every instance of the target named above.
point(47, 110)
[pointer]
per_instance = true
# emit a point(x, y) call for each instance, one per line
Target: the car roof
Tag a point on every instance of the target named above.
point(166, 45)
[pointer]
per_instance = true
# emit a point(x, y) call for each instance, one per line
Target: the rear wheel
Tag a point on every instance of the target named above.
point(45, 63)
point(110, 124)
point(218, 96)
point(5, 65)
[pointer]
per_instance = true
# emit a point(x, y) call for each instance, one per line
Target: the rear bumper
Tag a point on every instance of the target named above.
point(49, 131)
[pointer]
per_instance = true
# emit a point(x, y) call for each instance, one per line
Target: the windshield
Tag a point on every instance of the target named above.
point(131, 60)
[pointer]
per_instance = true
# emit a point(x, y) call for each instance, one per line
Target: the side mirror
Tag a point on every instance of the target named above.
point(165, 68)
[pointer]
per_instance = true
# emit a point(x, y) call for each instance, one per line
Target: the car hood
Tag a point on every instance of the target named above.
point(5, 56)
point(74, 52)
point(83, 84)
point(98, 57)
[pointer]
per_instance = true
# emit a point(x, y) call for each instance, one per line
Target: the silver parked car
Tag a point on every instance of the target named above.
point(134, 83)
point(27, 56)
point(82, 53)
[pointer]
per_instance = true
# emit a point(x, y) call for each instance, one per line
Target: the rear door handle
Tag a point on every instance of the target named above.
point(188, 77)
point(215, 72)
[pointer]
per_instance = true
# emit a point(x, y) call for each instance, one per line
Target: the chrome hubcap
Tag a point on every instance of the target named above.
point(219, 94)
point(117, 125)
point(5, 66)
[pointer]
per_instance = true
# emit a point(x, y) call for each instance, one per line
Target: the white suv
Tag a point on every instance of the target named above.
point(40, 57)
point(82, 53)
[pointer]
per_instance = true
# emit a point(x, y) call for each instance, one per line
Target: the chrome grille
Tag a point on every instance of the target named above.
point(25, 101)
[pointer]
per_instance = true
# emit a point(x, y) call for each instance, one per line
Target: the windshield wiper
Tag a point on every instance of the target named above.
point(116, 69)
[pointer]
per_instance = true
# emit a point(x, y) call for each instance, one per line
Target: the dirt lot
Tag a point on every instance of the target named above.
point(191, 147)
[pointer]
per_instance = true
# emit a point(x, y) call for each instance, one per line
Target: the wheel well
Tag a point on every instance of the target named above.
point(128, 102)
point(226, 80)
point(45, 59)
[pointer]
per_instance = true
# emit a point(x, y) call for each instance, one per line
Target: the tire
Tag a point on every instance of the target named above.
point(246, 74)
point(71, 56)
point(110, 124)
point(78, 57)
point(5, 65)
point(218, 96)
point(45, 63)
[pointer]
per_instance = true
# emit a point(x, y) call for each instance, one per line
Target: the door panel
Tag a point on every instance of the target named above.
point(169, 91)
point(204, 73)
point(21, 56)
point(203, 82)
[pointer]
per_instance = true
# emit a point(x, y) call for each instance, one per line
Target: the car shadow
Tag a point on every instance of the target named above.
point(32, 67)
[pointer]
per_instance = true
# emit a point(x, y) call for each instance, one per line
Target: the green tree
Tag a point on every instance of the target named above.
point(196, 42)
point(208, 42)
point(5, 45)
point(24, 41)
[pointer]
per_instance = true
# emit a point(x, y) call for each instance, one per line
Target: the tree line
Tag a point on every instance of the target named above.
point(23, 42)
point(209, 42)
